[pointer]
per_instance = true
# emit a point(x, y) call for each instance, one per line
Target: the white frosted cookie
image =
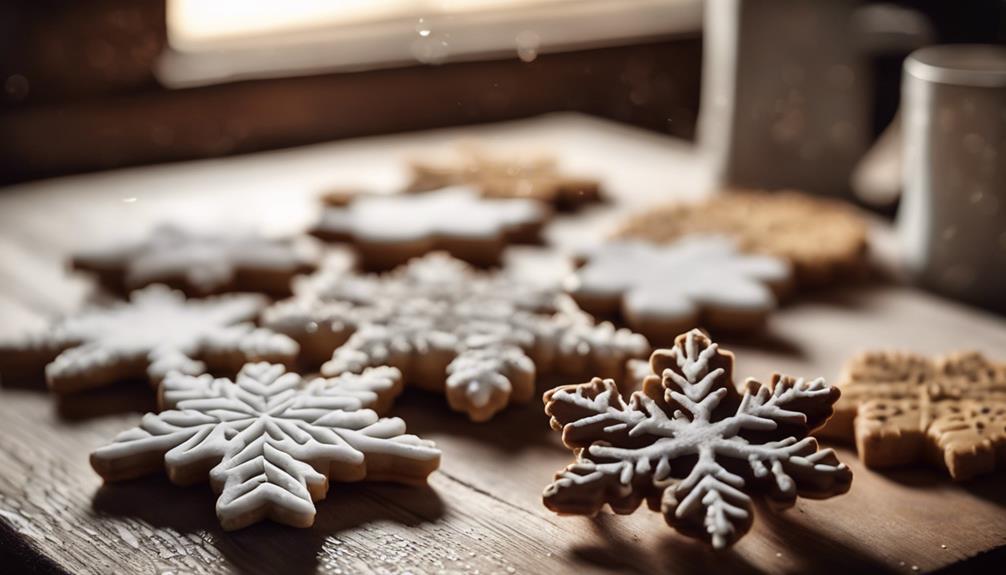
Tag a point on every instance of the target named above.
point(478, 337)
point(388, 230)
point(158, 331)
point(693, 445)
point(269, 443)
point(200, 263)
point(663, 290)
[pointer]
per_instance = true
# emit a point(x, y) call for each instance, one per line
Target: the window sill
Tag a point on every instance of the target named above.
point(403, 40)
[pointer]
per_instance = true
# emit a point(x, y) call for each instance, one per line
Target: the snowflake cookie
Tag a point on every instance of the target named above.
point(388, 230)
point(824, 240)
point(269, 443)
point(200, 264)
point(691, 445)
point(536, 177)
point(158, 331)
point(661, 291)
point(905, 409)
point(479, 337)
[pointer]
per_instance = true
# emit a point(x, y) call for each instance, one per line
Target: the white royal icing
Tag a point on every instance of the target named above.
point(648, 440)
point(207, 261)
point(273, 441)
point(165, 331)
point(454, 212)
point(677, 280)
point(488, 324)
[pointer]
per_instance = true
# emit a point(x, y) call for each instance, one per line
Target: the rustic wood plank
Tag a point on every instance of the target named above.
point(482, 511)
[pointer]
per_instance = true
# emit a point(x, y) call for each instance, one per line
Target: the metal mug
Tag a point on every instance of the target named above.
point(952, 220)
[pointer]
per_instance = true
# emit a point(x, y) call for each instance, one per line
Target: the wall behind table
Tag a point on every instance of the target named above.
point(79, 93)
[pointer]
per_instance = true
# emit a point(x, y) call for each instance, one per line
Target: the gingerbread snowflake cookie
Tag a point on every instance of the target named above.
point(536, 177)
point(661, 291)
point(691, 445)
point(388, 230)
point(824, 240)
point(201, 264)
point(158, 331)
point(905, 409)
point(269, 443)
point(478, 337)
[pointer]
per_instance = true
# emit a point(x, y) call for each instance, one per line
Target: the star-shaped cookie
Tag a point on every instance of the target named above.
point(691, 445)
point(661, 291)
point(200, 264)
point(388, 230)
point(156, 332)
point(268, 442)
point(480, 337)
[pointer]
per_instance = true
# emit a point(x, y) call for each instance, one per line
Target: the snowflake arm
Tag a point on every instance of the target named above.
point(374, 388)
point(581, 346)
point(584, 487)
point(228, 348)
point(592, 417)
point(87, 366)
point(595, 410)
point(709, 503)
point(164, 360)
point(483, 380)
point(369, 346)
point(790, 401)
point(143, 449)
point(26, 358)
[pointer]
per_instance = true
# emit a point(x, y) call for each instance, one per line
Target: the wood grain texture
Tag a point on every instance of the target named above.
point(482, 511)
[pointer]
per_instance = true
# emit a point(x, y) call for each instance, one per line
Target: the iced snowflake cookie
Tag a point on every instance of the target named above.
point(825, 240)
point(201, 264)
point(906, 409)
point(158, 331)
point(478, 337)
point(691, 445)
point(388, 230)
point(269, 443)
point(661, 291)
point(536, 177)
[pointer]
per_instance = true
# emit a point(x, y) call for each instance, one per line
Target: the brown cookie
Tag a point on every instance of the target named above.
point(691, 445)
point(825, 240)
point(200, 264)
point(949, 412)
point(876, 375)
point(536, 177)
point(388, 230)
point(905, 409)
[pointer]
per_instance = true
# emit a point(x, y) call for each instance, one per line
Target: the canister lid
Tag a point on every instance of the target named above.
point(981, 65)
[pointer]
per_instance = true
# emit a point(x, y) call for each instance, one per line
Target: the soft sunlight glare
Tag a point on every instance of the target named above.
point(192, 23)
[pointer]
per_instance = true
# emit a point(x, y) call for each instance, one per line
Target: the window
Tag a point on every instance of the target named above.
point(224, 40)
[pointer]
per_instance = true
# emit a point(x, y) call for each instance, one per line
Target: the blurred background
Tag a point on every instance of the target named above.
point(109, 83)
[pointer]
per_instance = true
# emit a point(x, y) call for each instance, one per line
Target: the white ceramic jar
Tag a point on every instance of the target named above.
point(953, 215)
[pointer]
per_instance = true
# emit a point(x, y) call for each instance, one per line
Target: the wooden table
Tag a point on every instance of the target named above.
point(482, 511)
